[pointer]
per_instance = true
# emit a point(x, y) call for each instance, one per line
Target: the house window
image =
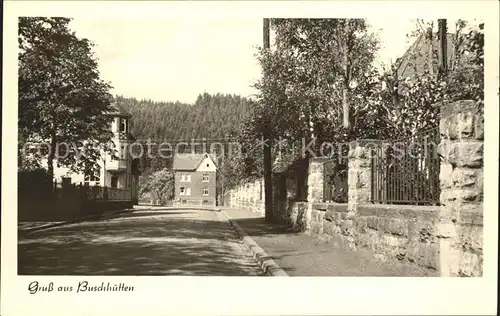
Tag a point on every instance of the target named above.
point(185, 178)
point(206, 177)
point(122, 152)
point(208, 165)
point(94, 177)
point(123, 125)
point(205, 191)
point(188, 191)
point(114, 181)
point(182, 191)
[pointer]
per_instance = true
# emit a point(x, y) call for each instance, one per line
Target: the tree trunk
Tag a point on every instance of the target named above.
point(52, 153)
point(267, 159)
point(443, 43)
point(268, 178)
point(345, 91)
point(430, 56)
point(345, 106)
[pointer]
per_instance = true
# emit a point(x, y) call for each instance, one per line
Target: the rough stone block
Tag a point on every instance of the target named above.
point(447, 230)
point(469, 195)
point(346, 215)
point(363, 178)
point(372, 222)
point(330, 216)
point(460, 106)
point(360, 224)
point(359, 152)
point(314, 215)
point(464, 127)
point(361, 196)
point(425, 235)
point(317, 228)
point(315, 167)
point(479, 127)
point(480, 179)
point(444, 148)
point(470, 264)
point(471, 214)
point(321, 216)
point(445, 173)
point(466, 154)
point(347, 227)
point(337, 218)
point(396, 226)
point(470, 238)
point(330, 229)
point(465, 177)
point(392, 241)
point(444, 126)
point(429, 255)
point(448, 196)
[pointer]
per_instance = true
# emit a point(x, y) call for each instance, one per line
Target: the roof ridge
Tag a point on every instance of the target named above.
point(190, 161)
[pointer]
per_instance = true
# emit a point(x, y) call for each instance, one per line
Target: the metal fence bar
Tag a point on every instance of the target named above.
point(407, 171)
point(335, 177)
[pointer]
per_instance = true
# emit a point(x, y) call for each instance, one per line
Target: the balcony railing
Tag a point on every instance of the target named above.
point(116, 165)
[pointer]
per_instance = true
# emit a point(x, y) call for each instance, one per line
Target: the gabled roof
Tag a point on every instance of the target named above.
point(118, 110)
point(190, 161)
point(420, 49)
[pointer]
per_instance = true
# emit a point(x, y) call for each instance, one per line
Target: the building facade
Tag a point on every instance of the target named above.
point(114, 171)
point(195, 179)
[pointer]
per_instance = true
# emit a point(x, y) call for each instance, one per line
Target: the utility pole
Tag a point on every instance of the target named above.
point(443, 49)
point(268, 176)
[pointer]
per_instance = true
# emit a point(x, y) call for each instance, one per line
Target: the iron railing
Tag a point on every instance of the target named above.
point(406, 171)
point(335, 180)
point(109, 194)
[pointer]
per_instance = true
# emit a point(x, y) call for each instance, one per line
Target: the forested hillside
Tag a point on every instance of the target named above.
point(211, 116)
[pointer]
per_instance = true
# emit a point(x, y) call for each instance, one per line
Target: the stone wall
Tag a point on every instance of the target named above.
point(447, 239)
point(248, 196)
point(461, 177)
point(288, 205)
point(328, 221)
point(399, 232)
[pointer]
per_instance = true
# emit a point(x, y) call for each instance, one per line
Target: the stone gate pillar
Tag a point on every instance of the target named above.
point(359, 182)
point(315, 182)
point(461, 180)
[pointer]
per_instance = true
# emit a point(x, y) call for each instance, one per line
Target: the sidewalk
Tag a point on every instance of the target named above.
point(301, 255)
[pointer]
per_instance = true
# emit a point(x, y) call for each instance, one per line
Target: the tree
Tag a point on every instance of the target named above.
point(61, 96)
point(210, 116)
point(159, 185)
point(315, 76)
point(402, 106)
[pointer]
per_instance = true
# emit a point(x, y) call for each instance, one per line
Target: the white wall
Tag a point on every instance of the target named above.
point(207, 165)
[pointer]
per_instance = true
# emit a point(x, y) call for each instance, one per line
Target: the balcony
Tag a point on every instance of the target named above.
point(116, 165)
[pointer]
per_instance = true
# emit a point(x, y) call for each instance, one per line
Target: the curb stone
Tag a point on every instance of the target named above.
point(265, 261)
point(79, 220)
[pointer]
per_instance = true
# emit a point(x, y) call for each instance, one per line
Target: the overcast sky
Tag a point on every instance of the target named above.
point(176, 59)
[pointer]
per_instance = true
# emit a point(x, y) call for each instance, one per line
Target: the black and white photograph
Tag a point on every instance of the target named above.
point(258, 145)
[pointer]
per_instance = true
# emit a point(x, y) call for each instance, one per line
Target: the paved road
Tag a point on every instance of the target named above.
point(143, 242)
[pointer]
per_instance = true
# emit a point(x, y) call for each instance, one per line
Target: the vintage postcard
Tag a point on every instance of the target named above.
point(175, 157)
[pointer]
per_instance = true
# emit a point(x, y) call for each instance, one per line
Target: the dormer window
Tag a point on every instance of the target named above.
point(123, 125)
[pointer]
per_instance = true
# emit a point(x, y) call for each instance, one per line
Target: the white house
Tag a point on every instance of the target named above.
point(113, 172)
